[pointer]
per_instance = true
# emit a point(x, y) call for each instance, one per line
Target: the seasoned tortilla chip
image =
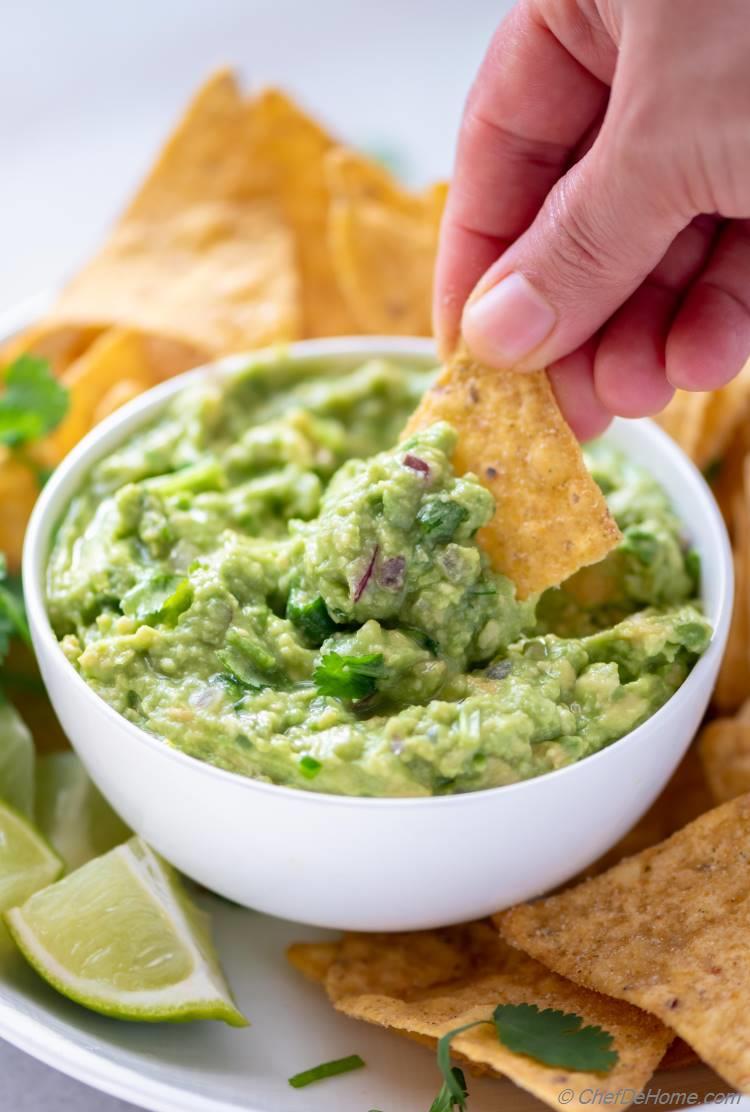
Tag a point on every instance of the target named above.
point(312, 959)
point(202, 254)
point(550, 516)
point(725, 752)
point(639, 1040)
point(733, 683)
point(292, 148)
point(425, 983)
point(383, 242)
point(667, 931)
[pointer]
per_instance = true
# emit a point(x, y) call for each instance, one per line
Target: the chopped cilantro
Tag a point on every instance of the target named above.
point(326, 1069)
point(641, 543)
point(349, 677)
point(309, 767)
point(159, 598)
point(33, 403)
point(439, 519)
point(248, 662)
point(310, 617)
point(550, 1036)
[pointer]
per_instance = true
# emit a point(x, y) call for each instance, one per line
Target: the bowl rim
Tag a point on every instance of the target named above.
point(105, 436)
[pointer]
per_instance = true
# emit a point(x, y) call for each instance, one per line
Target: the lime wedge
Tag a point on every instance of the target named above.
point(27, 862)
point(72, 813)
point(121, 937)
point(16, 760)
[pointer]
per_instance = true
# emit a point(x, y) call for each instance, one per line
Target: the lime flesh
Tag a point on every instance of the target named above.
point(16, 760)
point(71, 812)
point(27, 862)
point(120, 936)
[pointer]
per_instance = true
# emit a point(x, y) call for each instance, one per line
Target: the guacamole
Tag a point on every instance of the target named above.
point(267, 580)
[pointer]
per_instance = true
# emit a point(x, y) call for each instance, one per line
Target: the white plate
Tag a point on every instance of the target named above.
point(208, 1067)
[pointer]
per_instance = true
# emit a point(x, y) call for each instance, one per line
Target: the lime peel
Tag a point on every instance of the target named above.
point(27, 861)
point(126, 899)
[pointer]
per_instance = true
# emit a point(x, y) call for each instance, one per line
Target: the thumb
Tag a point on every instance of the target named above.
point(601, 230)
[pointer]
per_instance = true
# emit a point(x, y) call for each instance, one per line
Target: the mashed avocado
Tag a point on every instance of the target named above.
point(264, 581)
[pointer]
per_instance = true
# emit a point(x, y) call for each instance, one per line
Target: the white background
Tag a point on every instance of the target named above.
point(89, 87)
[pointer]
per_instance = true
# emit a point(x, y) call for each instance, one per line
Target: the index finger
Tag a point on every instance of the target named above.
point(531, 104)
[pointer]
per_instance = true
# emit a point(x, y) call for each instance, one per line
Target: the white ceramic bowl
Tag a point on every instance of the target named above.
point(376, 864)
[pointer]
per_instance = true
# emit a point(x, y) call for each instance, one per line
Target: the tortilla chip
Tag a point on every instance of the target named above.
point(58, 344)
point(205, 159)
point(639, 1040)
point(202, 254)
point(733, 683)
point(703, 423)
point(292, 148)
point(425, 983)
point(678, 1055)
point(313, 959)
point(667, 931)
point(119, 365)
point(19, 490)
point(383, 242)
point(384, 264)
point(725, 752)
point(550, 517)
point(725, 412)
point(353, 177)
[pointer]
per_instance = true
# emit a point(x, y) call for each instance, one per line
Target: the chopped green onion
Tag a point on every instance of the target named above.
point(310, 617)
point(309, 767)
point(326, 1069)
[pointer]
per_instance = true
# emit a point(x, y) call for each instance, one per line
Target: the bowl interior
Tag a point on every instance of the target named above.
point(643, 440)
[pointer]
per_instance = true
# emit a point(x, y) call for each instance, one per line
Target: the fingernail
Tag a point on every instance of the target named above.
point(503, 325)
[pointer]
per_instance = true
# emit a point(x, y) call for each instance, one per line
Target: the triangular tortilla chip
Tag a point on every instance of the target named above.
point(425, 983)
point(724, 746)
point(667, 931)
point(550, 516)
point(202, 254)
point(293, 147)
point(383, 242)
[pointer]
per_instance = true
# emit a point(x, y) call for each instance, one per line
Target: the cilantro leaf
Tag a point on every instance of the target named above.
point(552, 1037)
point(158, 598)
point(439, 519)
point(555, 1038)
point(445, 1101)
point(349, 677)
point(34, 402)
point(13, 621)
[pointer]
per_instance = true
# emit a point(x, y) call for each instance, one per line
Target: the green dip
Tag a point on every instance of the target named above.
point(264, 581)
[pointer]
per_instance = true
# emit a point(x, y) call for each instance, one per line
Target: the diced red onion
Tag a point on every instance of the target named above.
point(359, 589)
point(391, 573)
point(416, 463)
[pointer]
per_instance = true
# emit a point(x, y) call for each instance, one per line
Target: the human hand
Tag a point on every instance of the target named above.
point(597, 215)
